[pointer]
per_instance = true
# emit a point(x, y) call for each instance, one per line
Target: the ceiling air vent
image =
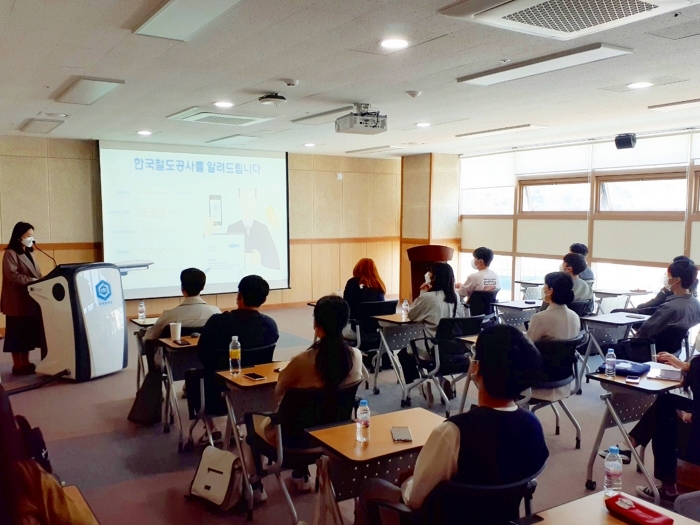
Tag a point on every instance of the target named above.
point(208, 117)
point(561, 19)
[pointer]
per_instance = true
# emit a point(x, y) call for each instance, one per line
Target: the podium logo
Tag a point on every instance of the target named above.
point(103, 290)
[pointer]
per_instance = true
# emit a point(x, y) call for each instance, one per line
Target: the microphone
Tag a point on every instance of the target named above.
point(42, 251)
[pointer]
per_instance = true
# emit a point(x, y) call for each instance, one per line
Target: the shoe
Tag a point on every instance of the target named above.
point(447, 388)
point(427, 392)
point(25, 370)
point(647, 494)
point(626, 455)
point(303, 483)
point(259, 494)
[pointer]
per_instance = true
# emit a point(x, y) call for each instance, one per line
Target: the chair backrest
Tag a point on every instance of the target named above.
point(368, 326)
point(582, 308)
point(670, 339)
point(450, 328)
point(608, 304)
point(558, 358)
point(481, 302)
point(257, 356)
point(303, 408)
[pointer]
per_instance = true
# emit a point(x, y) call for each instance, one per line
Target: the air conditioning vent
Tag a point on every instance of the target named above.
point(208, 117)
point(561, 19)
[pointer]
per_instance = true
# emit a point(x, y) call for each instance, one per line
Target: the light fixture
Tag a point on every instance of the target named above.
point(423, 125)
point(640, 85)
point(40, 125)
point(53, 115)
point(675, 106)
point(223, 104)
point(182, 19)
point(378, 149)
point(499, 131)
point(86, 91)
point(394, 43)
point(144, 133)
point(537, 66)
point(309, 145)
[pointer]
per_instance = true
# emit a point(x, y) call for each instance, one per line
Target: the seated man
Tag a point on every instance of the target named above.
point(495, 443)
point(582, 249)
point(192, 312)
point(651, 306)
point(484, 279)
point(573, 264)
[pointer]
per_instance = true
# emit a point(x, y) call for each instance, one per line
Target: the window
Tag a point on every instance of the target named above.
point(534, 270)
point(556, 197)
point(501, 264)
point(488, 201)
point(643, 195)
point(610, 276)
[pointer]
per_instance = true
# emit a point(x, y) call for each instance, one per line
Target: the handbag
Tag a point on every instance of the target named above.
point(634, 513)
point(219, 478)
point(627, 368)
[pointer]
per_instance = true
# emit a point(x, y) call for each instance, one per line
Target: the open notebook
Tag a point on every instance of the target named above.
point(663, 371)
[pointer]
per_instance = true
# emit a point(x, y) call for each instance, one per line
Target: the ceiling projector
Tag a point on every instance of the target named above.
point(362, 121)
point(272, 99)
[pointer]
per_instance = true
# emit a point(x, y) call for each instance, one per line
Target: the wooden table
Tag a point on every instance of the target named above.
point(245, 395)
point(170, 343)
point(626, 403)
point(144, 323)
point(591, 510)
point(76, 496)
point(352, 462)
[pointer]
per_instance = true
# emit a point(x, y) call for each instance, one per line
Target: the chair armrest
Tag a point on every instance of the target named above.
point(390, 511)
point(430, 349)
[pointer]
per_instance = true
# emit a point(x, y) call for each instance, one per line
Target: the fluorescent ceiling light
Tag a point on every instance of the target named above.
point(378, 149)
point(642, 167)
point(40, 125)
point(537, 66)
point(394, 43)
point(53, 115)
point(423, 125)
point(223, 104)
point(233, 140)
point(675, 106)
point(640, 85)
point(144, 133)
point(182, 19)
point(86, 91)
point(324, 117)
point(309, 145)
point(499, 131)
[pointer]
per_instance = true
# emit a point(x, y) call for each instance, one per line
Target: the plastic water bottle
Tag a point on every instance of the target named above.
point(612, 485)
point(610, 359)
point(404, 308)
point(234, 356)
point(142, 310)
point(363, 422)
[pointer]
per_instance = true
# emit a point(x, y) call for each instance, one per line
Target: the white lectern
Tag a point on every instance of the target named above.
point(82, 306)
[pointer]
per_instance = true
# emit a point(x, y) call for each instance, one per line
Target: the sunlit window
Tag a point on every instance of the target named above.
point(613, 277)
point(488, 201)
point(643, 195)
point(556, 197)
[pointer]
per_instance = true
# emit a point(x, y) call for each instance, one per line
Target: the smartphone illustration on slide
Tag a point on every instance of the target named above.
point(215, 209)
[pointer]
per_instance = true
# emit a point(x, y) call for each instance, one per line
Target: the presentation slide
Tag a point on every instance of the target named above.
point(181, 207)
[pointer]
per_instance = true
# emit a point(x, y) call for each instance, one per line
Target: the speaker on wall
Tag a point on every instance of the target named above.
point(626, 141)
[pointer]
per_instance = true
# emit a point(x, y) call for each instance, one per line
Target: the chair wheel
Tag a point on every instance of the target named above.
point(447, 413)
point(172, 419)
point(375, 390)
point(366, 385)
point(556, 432)
point(579, 392)
point(403, 403)
point(590, 484)
point(180, 448)
point(408, 401)
point(578, 443)
point(189, 446)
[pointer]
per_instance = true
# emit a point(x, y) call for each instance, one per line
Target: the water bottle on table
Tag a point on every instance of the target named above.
point(142, 310)
point(234, 356)
point(404, 308)
point(363, 422)
point(610, 359)
point(612, 485)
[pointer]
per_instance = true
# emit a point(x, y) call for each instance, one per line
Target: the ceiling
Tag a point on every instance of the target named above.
point(332, 48)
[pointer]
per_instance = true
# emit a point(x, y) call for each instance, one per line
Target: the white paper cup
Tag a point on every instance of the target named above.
point(175, 331)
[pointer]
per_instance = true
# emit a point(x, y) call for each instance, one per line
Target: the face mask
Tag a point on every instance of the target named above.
point(667, 284)
point(28, 241)
point(474, 264)
point(428, 276)
point(561, 267)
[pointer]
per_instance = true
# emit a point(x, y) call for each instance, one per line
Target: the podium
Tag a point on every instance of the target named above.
point(82, 307)
point(421, 258)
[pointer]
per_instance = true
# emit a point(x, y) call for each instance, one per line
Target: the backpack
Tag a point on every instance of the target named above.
point(148, 405)
point(219, 478)
point(33, 443)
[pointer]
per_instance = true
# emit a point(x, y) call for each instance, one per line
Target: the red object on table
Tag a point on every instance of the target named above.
point(629, 511)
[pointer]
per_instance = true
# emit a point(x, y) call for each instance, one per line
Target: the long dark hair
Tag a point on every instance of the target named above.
point(15, 244)
point(562, 286)
point(444, 280)
point(334, 356)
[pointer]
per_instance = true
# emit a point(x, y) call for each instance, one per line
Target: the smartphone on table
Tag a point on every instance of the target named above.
point(253, 376)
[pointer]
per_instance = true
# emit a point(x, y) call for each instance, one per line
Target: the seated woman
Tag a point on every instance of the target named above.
point(557, 322)
point(365, 286)
point(672, 424)
point(437, 299)
point(330, 361)
point(495, 443)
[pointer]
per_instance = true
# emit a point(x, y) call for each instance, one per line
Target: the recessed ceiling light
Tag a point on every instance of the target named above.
point(640, 85)
point(223, 104)
point(54, 115)
point(144, 133)
point(309, 145)
point(423, 125)
point(394, 43)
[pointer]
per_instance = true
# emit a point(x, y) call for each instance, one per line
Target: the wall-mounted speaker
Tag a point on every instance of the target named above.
point(626, 141)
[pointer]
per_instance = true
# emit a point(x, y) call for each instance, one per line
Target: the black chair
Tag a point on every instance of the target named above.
point(448, 353)
point(368, 339)
point(558, 359)
point(481, 303)
point(582, 308)
point(294, 448)
point(474, 504)
point(643, 349)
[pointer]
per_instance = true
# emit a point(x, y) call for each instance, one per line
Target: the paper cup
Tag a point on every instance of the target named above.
point(175, 331)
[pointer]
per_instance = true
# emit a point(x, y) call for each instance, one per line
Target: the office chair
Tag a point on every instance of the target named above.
point(582, 308)
point(368, 339)
point(481, 303)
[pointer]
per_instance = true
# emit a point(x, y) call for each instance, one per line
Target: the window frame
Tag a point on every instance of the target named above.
point(524, 183)
point(602, 178)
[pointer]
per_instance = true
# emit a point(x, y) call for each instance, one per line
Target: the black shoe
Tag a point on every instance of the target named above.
point(25, 370)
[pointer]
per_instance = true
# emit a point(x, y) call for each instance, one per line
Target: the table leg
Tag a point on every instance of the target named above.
point(247, 489)
point(166, 407)
point(384, 347)
point(173, 400)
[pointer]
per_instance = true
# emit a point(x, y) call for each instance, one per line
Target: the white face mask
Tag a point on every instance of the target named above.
point(667, 284)
point(428, 276)
point(28, 241)
point(561, 267)
point(474, 264)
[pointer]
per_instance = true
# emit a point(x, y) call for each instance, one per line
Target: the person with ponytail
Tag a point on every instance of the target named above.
point(557, 322)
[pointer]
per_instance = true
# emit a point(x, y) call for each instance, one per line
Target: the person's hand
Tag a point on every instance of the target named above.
point(489, 288)
point(425, 286)
point(686, 417)
point(670, 359)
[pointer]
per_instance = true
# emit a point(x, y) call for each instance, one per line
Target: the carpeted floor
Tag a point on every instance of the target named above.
point(132, 474)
